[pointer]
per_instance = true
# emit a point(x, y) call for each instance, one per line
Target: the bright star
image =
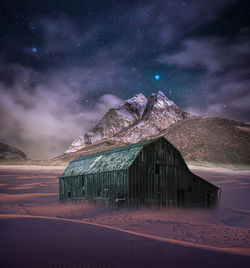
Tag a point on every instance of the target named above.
point(157, 77)
point(34, 49)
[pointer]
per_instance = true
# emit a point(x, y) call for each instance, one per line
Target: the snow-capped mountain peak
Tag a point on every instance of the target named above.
point(135, 119)
point(162, 99)
point(137, 104)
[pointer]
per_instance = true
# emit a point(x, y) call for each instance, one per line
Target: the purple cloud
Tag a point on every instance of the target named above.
point(50, 113)
point(226, 77)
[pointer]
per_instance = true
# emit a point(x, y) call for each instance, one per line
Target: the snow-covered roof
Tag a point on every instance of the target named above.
point(109, 160)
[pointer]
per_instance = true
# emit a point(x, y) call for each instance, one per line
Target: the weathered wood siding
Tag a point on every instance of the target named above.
point(97, 187)
point(159, 177)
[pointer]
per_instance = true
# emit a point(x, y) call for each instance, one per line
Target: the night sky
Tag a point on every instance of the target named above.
point(64, 63)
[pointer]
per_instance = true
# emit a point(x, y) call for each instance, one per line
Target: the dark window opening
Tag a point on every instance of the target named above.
point(99, 192)
point(82, 181)
point(69, 194)
point(157, 169)
point(190, 189)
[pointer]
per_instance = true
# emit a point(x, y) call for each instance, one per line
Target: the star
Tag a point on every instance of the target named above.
point(34, 49)
point(157, 77)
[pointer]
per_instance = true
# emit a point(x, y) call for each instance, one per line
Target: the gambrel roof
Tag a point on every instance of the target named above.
point(110, 160)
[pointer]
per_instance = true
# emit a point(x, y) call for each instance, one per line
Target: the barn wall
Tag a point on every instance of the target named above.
point(115, 182)
point(70, 187)
point(102, 187)
point(160, 177)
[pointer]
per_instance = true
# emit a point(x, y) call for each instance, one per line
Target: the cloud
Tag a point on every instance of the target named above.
point(225, 64)
point(60, 34)
point(168, 21)
point(214, 54)
point(42, 119)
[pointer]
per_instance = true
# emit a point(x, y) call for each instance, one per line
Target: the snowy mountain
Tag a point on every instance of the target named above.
point(142, 117)
point(158, 115)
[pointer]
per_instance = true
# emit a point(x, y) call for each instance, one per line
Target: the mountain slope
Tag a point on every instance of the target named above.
point(8, 153)
point(211, 139)
point(113, 122)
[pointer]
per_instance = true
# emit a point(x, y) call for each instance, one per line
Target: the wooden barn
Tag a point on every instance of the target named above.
point(148, 173)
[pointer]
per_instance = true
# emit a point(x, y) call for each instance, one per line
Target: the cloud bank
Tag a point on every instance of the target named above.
point(42, 118)
point(226, 68)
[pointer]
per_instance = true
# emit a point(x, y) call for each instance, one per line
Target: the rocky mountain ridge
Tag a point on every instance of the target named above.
point(142, 117)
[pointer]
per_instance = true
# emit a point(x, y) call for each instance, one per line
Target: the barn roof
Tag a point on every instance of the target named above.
point(113, 159)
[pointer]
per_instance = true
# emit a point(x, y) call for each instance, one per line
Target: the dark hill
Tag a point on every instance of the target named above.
point(8, 153)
